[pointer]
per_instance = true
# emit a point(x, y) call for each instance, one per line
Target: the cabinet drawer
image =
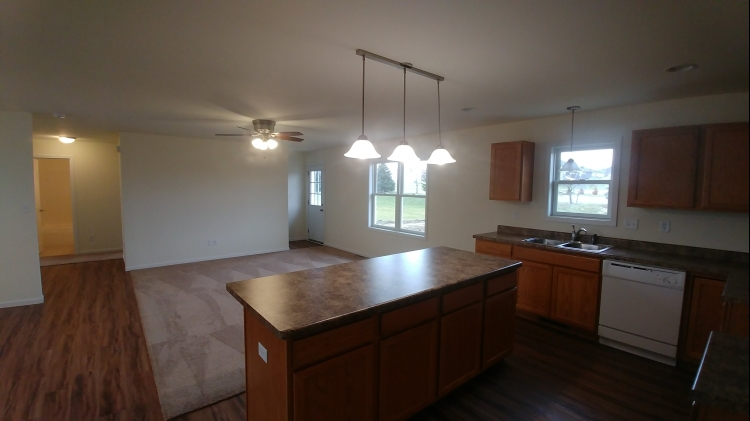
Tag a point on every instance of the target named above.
point(502, 283)
point(328, 344)
point(405, 318)
point(455, 300)
point(557, 259)
point(492, 248)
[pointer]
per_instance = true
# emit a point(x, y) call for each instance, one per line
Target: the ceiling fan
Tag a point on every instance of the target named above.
point(263, 135)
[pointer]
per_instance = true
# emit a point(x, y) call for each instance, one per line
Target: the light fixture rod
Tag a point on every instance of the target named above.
point(572, 121)
point(394, 63)
point(440, 134)
point(404, 104)
point(363, 95)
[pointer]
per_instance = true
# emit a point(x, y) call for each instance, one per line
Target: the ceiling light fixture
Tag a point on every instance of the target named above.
point(404, 152)
point(681, 68)
point(66, 139)
point(259, 143)
point(362, 147)
point(571, 164)
point(440, 155)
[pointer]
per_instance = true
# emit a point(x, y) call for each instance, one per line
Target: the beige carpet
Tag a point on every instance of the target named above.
point(194, 328)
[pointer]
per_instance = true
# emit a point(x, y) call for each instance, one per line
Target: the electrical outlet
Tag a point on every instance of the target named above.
point(263, 352)
point(631, 224)
point(515, 214)
point(216, 242)
point(664, 226)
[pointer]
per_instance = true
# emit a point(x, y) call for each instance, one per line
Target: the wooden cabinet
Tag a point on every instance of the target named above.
point(535, 288)
point(512, 171)
point(408, 364)
point(725, 172)
point(499, 312)
point(575, 297)
point(735, 320)
point(319, 390)
point(664, 167)
point(460, 347)
point(492, 248)
point(705, 315)
point(691, 167)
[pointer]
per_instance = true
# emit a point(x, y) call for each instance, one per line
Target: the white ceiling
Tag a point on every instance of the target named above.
point(195, 68)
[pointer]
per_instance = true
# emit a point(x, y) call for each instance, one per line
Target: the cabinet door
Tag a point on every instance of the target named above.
point(534, 288)
point(499, 316)
point(725, 168)
point(408, 368)
point(341, 388)
point(575, 297)
point(663, 168)
point(512, 171)
point(736, 320)
point(706, 309)
point(460, 347)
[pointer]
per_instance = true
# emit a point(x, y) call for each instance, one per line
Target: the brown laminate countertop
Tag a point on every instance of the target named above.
point(722, 379)
point(736, 274)
point(299, 304)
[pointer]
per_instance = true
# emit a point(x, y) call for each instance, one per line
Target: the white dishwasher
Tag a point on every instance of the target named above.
point(640, 309)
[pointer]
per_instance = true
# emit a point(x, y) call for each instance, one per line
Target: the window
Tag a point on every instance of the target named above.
point(316, 193)
point(587, 193)
point(398, 197)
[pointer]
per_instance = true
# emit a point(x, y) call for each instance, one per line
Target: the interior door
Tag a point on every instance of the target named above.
point(315, 214)
point(38, 206)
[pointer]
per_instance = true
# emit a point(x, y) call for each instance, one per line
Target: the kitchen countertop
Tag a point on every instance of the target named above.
point(736, 274)
point(299, 304)
point(722, 379)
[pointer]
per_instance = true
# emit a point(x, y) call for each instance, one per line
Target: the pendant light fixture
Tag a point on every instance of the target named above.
point(440, 155)
point(404, 152)
point(571, 164)
point(362, 147)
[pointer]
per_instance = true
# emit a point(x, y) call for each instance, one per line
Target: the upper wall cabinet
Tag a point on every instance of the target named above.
point(725, 168)
point(512, 171)
point(693, 167)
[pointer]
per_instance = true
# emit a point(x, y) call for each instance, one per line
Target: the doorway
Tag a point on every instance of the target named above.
point(53, 193)
point(315, 214)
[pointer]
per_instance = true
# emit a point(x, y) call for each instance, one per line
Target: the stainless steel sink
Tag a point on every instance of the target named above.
point(544, 241)
point(596, 248)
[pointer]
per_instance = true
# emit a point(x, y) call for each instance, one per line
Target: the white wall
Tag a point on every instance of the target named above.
point(178, 193)
point(296, 197)
point(96, 183)
point(20, 278)
point(458, 204)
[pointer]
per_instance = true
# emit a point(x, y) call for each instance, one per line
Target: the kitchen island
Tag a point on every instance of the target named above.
point(377, 339)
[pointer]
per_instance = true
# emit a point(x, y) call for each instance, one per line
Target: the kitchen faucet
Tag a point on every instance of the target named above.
point(577, 234)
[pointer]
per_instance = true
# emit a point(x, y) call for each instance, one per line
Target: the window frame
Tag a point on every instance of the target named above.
point(554, 162)
point(399, 196)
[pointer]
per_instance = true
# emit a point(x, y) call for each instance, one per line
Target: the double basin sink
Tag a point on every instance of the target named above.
point(575, 245)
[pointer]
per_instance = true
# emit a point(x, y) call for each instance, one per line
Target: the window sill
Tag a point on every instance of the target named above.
point(401, 233)
point(589, 221)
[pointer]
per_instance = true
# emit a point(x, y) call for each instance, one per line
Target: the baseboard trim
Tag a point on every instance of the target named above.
point(99, 251)
point(298, 239)
point(200, 259)
point(19, 303)
point(358, 253)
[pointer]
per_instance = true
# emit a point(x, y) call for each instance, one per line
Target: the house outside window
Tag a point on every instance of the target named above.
point(398, 197)
point(589, 193)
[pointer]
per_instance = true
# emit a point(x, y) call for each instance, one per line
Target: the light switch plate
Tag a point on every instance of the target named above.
point(515, 214)
point(664, 226)
point(263, 352)
point(631, 224)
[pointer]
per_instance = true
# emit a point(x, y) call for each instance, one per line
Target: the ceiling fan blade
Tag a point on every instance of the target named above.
point(244, 128)
point(289, 133)
point(290, 138)
point(224, 134)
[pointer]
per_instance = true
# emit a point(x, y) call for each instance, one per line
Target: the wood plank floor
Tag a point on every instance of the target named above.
point(82, 356)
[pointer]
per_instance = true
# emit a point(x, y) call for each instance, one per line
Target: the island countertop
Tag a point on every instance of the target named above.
point(299, 304)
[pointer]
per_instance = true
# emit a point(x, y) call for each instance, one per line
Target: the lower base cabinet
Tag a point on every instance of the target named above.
point(706, 312)
point(319, 390)
point(498, 333)
point(460, 347)
point(535, 288)
point(407, 372)
point(575, 297)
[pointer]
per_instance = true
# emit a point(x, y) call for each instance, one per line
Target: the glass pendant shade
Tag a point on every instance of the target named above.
point(404, 153)
point(272, 144)
point(570, 166)
point(440, 156)
point(362, 149)
point(259, 144)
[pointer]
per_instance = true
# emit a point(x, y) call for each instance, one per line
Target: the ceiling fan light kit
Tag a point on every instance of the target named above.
point(363, 148)
point(263, 135)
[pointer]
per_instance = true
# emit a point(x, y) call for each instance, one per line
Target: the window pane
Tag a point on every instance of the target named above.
point(594, 164)
point(385, 177)
point(591, 199)
point(415, 178)
point(385, 211)
point(412, 214)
